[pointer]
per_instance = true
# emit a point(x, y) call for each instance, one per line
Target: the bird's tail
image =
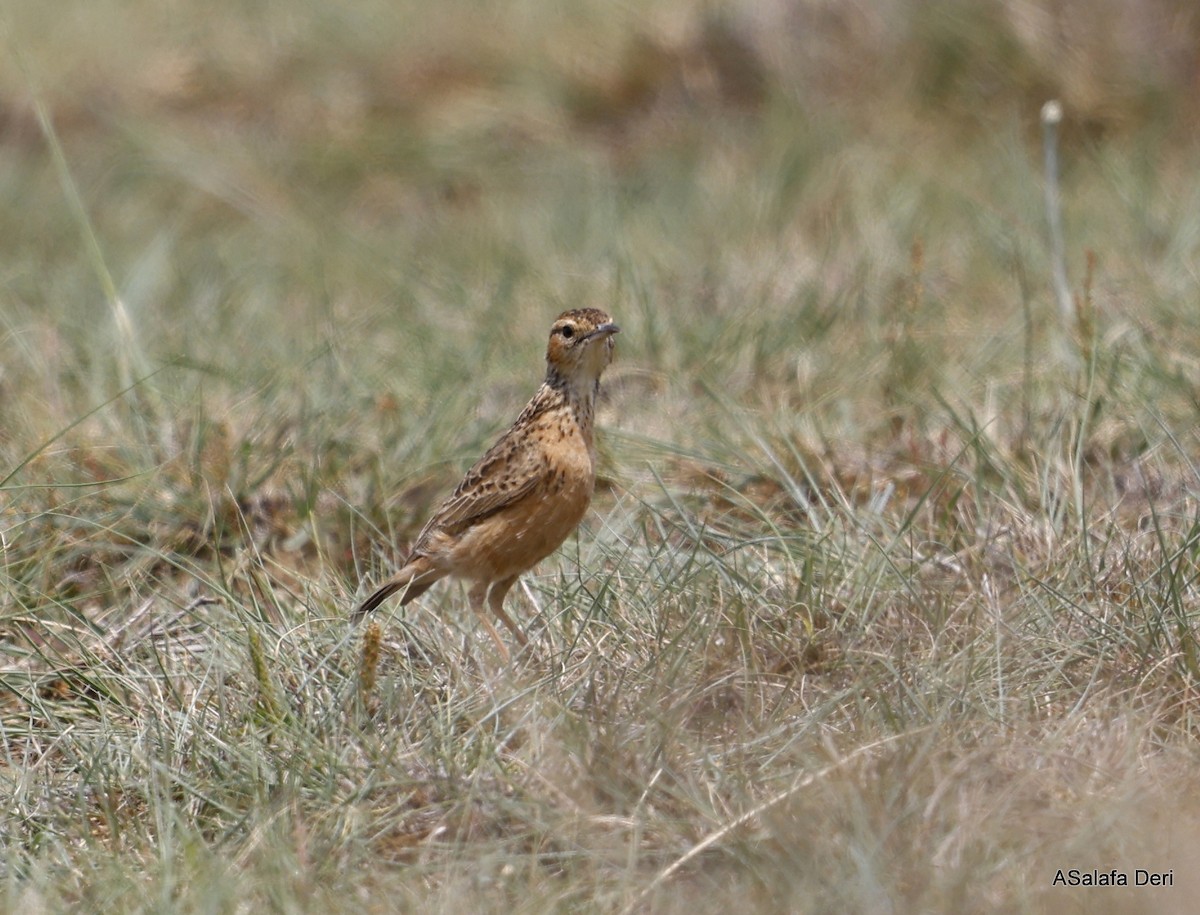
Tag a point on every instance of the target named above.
point(414, 580)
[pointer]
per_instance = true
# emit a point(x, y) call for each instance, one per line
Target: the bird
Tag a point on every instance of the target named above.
point(527, 493)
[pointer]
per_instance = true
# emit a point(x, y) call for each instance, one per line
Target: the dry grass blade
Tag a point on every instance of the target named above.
point(748, 817)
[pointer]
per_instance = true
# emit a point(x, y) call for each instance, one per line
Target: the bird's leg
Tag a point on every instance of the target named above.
point(476, 596)
point(496, 596)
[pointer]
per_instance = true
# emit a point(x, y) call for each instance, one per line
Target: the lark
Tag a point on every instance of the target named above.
point(521, 500)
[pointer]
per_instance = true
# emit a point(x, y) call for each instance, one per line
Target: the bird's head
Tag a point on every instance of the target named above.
point(581, 345)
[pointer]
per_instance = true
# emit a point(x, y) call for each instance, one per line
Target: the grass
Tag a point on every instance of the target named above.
point(887, 599)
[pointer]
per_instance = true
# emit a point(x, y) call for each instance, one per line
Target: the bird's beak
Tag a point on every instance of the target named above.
point(605, 330)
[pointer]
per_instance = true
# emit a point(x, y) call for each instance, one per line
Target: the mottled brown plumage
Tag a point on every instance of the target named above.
point(522, 499)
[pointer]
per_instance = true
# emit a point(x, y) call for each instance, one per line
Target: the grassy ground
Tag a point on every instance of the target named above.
point(887, 601)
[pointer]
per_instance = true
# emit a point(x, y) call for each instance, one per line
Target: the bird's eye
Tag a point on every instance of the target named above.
point(567, 331)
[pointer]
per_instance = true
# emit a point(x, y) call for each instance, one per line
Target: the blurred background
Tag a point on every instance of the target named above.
point(288, 150)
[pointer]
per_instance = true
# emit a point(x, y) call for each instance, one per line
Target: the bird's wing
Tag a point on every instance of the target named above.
point(509, 470)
